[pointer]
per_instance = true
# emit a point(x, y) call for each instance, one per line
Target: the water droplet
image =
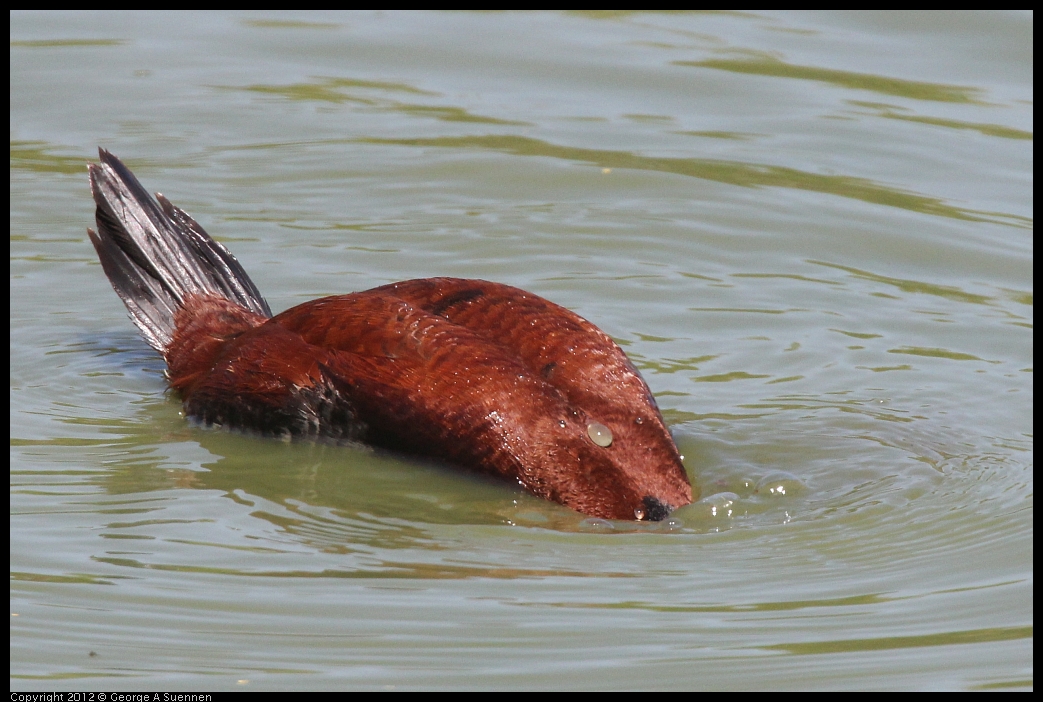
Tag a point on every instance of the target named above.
point(639, 420)
point(561, 423)
point(600, 435)
point(639, 514)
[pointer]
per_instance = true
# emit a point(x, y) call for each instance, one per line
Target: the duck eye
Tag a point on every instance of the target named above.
point(599, 434)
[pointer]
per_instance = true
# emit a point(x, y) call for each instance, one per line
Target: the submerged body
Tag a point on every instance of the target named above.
point(479, 374)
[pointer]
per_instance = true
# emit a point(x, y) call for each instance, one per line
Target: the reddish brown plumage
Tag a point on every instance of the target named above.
point(475, 373)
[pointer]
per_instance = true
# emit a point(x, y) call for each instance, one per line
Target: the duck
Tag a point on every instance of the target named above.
point(470, 373)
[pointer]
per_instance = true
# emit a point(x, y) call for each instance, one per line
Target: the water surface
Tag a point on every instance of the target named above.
point(811, 232)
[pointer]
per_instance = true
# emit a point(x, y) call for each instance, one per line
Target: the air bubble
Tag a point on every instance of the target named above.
point(720, 505)
point(780, 484)
point(714, 511)
point(596, 525)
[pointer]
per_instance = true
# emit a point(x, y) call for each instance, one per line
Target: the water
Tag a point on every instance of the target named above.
point(812, 233)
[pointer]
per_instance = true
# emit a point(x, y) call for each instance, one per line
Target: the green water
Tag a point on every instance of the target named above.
point(811, 232)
